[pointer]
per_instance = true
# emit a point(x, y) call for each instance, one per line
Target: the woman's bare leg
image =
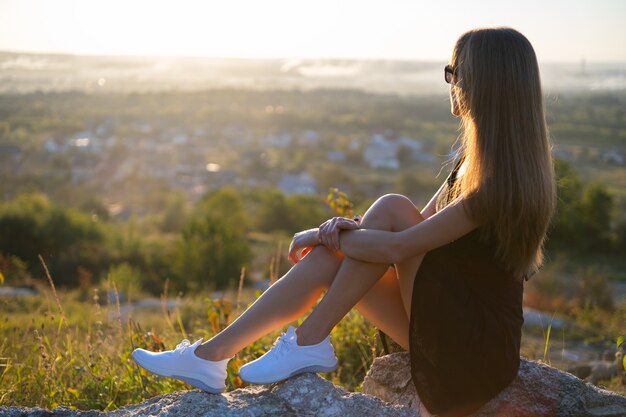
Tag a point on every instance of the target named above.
point(286, 300)
point(355, 278)
point(298, 290)
point(382, 307)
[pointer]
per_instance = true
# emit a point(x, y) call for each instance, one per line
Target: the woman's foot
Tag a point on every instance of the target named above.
point(286, 358)
point(183, 364)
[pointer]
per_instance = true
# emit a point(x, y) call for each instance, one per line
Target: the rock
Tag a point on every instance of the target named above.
point(610, 366)
point(602, 371)
point(581, 371)
point(306, 394)
point(538, 390)
point(388, 391)
point(389, 378)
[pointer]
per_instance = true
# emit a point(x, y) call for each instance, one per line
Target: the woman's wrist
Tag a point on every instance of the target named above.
point(313, 237)
point(308, 238)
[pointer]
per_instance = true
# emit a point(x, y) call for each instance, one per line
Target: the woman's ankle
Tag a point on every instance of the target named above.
point(305, 338)
point(208, 353)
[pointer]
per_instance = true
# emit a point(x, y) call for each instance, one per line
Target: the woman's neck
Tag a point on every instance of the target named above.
point(462, 168)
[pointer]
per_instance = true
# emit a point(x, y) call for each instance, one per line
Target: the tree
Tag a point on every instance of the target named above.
point(174, 213)
point(31, 225)
point(583, 214)
point(289, 214)
point(226, 205)
point(126, 278)
point(404, 155)
point(306, 211)
point(597, 211)
point(566, 222)
point(213, 247)
point(273, 213)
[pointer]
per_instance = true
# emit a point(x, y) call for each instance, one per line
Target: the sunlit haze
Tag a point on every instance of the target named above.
point(416, 30)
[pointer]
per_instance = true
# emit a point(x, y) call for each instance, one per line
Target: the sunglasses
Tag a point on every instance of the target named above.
point(448, 73)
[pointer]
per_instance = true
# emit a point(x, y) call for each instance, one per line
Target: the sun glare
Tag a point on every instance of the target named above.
point(193, 28)
point(401, 29)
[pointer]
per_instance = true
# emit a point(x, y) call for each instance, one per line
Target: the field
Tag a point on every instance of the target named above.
point(77, 352)
point(146, 203)
point(73, 348)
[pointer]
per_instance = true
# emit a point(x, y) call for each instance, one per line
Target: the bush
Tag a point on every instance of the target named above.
point(584, 213)
point(31, 225)
point(126, 278)
point(214, 245)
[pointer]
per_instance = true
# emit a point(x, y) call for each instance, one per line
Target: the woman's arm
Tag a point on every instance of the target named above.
point(380, 246)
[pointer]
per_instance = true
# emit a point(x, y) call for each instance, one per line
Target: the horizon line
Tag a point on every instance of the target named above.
point(329, 58)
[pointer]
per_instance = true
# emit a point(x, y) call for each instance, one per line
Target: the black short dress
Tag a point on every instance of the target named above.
point(465, 324)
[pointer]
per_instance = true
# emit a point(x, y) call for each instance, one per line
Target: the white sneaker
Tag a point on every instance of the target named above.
point(182, 363)
point(286, 358)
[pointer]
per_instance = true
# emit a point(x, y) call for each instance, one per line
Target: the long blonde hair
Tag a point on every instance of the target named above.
point(509, 178)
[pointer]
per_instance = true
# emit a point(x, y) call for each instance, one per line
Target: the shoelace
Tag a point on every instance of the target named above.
point(282, 344)
point(180, 348)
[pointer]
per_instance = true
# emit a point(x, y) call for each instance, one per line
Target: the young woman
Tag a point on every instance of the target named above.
point(453, 293)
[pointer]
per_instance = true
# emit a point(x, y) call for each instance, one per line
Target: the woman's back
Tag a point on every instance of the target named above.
point(465, 324)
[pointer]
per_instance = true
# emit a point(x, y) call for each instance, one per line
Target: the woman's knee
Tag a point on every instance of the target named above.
point(392, 212)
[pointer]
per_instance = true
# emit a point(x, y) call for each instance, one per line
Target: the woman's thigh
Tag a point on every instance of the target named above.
point(382, 307)
point(388, 303)
point(406, 272)
point(396, 212)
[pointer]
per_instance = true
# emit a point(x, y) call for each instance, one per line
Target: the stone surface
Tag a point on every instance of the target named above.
point(388, 391)
point(303, 395)
point(538, 390)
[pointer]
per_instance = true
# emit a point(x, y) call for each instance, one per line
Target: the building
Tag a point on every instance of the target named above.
point(301, 183)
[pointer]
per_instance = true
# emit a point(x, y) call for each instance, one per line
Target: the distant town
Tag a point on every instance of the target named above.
point(101, 159)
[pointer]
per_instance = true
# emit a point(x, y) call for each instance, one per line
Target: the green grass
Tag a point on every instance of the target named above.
point(73, 348)
point(83, 361)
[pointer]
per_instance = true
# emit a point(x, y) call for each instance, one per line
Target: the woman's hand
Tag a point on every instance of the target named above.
point(328, 234)
point(301, 244)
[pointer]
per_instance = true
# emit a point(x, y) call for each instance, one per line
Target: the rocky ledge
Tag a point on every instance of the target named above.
point(303, 395)
point(538, 390)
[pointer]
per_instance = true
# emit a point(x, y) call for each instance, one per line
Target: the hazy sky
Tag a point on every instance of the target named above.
point(399, 29)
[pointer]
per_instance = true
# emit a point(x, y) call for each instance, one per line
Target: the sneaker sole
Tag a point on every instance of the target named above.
point(313, 368)
point(191, 381)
